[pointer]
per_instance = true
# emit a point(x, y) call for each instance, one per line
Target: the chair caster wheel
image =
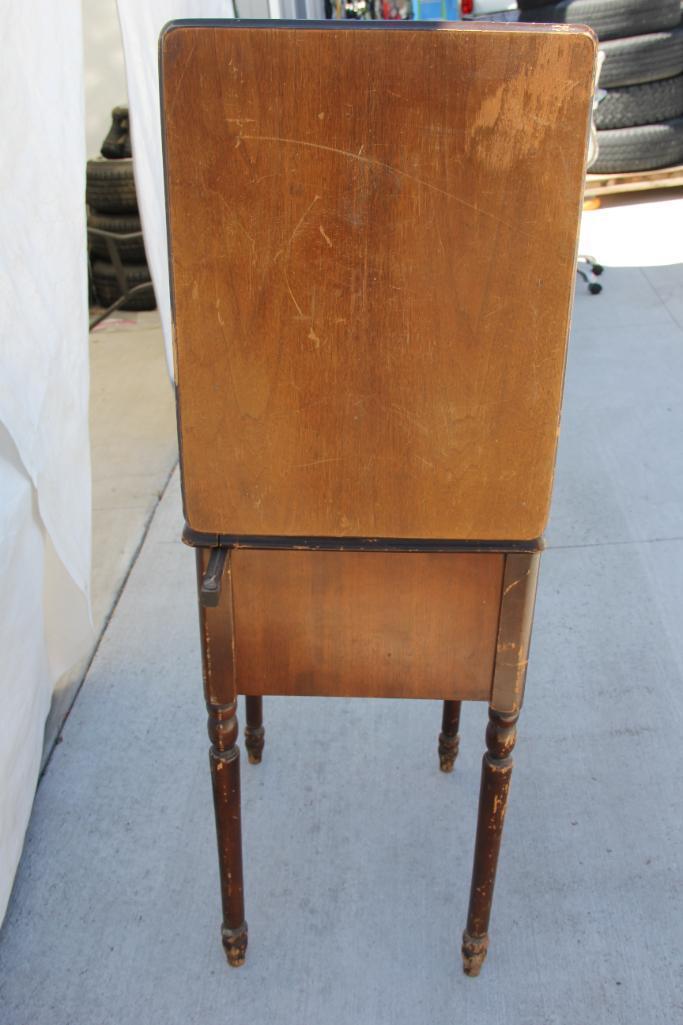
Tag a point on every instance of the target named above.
point(594, 288)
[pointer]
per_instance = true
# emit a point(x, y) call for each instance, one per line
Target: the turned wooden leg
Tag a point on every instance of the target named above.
point(449, 740)
point(495, 782)
point(225, 774)
point(215, 620)
point(254, 733)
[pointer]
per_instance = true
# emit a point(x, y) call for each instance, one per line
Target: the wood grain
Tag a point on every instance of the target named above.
point(373, 234)
point(366, 624)
point(218, 665)
point(520, 580)
point(496, 771)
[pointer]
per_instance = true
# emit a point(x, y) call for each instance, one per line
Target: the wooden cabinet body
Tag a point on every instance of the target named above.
point(372, 285)
point(372, 234)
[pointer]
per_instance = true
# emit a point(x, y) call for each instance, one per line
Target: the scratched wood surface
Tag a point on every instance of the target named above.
point(520, 579)
point(373, 235)
point(366, 624)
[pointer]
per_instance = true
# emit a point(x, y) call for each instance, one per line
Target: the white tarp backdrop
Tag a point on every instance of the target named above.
point(45, 503)
point(45, 484)
point(141, 24)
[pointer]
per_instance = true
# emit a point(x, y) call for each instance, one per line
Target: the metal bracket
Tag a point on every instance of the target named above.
point(210, 590)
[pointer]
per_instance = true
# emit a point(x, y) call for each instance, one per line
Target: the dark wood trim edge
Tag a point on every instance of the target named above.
point(196, 539)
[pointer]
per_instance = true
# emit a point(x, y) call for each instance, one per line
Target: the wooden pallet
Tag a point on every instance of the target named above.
point(633, 181)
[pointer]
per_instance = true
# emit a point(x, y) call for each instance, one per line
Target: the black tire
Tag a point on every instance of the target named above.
point(640, 104)
point(107, 289)
point(110, 186)
point(645, 58)
point(132, 251)
point(609, 18)
point(645, 148)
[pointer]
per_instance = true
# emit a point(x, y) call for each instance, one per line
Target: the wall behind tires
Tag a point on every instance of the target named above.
point(104, 70)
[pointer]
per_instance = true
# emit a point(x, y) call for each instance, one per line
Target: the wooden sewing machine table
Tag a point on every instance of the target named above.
point(373, 235)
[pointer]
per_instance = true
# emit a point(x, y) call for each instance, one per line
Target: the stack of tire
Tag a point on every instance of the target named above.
point(639, 115)
point(113, 206)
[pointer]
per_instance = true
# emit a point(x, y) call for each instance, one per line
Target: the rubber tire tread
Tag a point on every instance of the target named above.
point(645, 148)
point(107, 288)
point(644, 104)
point(609, 19)
point(110, 186)
point(646, 58)
point(118, 224)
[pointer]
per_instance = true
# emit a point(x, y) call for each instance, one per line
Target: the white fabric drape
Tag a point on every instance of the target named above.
point(44, 445)
point(141, 24)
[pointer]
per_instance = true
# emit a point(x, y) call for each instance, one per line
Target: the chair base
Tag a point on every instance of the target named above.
point(516, 587)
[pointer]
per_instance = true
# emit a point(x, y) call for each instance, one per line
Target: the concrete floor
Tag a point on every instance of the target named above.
point(133, 450)
point(357, 849)
point(134, 444)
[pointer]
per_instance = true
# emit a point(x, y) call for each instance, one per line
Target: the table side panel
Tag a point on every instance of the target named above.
point(366, 624)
